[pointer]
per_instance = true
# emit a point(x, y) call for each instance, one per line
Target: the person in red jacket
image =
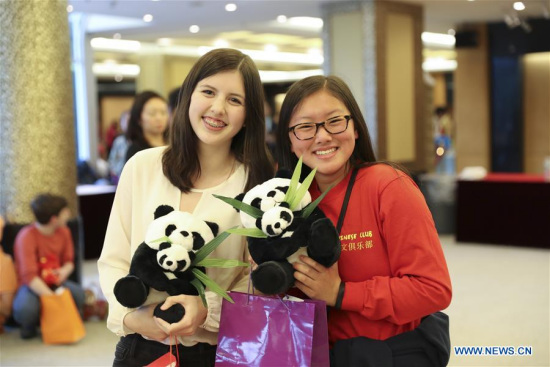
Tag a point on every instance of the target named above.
point(44, 259)
point(391, 279)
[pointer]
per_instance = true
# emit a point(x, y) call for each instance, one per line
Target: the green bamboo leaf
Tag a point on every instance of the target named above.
point(248, 209)
point(209, 247)
point(289, 197)
point(309, 209)
point(162, 239)
point(214, 287)
point(302, 190)
point(250, 232)
point(221, 263)
point(200, 288)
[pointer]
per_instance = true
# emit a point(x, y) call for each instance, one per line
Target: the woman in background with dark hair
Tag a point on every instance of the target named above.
point(217, 147)
point(148, 123)
point(392, 275)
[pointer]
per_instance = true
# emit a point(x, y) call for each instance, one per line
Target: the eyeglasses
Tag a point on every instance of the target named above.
point(308, 130)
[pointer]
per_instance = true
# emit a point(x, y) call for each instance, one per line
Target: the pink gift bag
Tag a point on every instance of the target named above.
point(270, 331)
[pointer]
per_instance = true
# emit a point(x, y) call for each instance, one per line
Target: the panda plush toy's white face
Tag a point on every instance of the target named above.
point(269, 198)
point(185, 235)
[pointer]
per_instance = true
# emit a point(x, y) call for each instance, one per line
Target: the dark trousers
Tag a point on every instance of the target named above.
point(428, 345)
point(134, 350)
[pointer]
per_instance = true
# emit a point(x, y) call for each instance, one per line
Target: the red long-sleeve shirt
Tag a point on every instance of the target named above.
point(392, 262)
point(31, 244)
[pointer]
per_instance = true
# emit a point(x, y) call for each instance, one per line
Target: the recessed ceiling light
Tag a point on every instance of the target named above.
point(147, 18)
point(194, 29)
point(70, 8)
point(471, 0)
point(281, 19)
point(230, 7)
point(519, 6)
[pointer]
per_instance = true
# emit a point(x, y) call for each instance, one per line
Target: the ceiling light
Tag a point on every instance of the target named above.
point(281, 19)
point(268, 76)
point(230, 7)
point(164, 42)
point(306, 22)
point(276, 57)
point(438, 39)
point(519, 6)
point(451, 32)
point(270, 48)
point(194, 29)
point(147, 18)
point(114, 44)
point(221, 43)
point(70, 8)
point(438, 64)
point(109, 69)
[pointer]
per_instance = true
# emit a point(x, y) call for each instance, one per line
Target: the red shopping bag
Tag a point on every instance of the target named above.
point(270, 331)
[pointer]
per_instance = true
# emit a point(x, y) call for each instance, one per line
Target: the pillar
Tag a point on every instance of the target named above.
point(37, 135)
point(376, 47)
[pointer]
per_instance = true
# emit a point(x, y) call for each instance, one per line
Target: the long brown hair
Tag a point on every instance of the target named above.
point(181, 162)
point(363, 151)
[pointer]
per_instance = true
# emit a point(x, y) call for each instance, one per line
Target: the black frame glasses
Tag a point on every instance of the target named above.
point(319, 124)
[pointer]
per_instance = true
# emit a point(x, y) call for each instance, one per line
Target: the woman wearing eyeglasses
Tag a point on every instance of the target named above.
point(392, 277)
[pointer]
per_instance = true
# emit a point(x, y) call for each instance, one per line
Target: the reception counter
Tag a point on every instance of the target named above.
point(507, 209)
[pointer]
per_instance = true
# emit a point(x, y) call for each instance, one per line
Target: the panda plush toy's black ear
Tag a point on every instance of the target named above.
point(214, 227)
point(239, 197)
point(284, 173)
point(162, 210)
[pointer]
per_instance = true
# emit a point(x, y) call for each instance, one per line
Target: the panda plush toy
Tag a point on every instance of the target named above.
point(287, 234)
point(163, 261)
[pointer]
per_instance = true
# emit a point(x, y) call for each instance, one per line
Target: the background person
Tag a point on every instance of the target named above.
point(392, 271)
point(216, 147)
point(44, 257)
point(148, 123)
point(8, 282)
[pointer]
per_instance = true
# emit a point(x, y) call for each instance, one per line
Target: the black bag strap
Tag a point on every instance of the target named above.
point(346, 200)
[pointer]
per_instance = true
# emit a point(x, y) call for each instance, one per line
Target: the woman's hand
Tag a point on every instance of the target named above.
point(195, 314)
point(316, 281)
point(141, 321)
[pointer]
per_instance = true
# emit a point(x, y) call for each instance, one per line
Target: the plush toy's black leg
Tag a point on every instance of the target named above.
point(172, 315)
point(324, 243)
point(273, 277)
point(130, 291)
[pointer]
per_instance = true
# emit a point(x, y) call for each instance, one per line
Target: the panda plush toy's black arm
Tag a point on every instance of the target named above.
point(131, 291)
point(145, 266)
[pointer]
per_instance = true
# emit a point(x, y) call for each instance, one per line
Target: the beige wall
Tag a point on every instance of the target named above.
point(347, 55)
point(401, 103)
point(536, 110)
point(471, 104)
point(400, 99)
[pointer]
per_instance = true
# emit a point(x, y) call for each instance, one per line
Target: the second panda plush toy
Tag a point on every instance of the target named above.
point(164, 261)
point(280, 227)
